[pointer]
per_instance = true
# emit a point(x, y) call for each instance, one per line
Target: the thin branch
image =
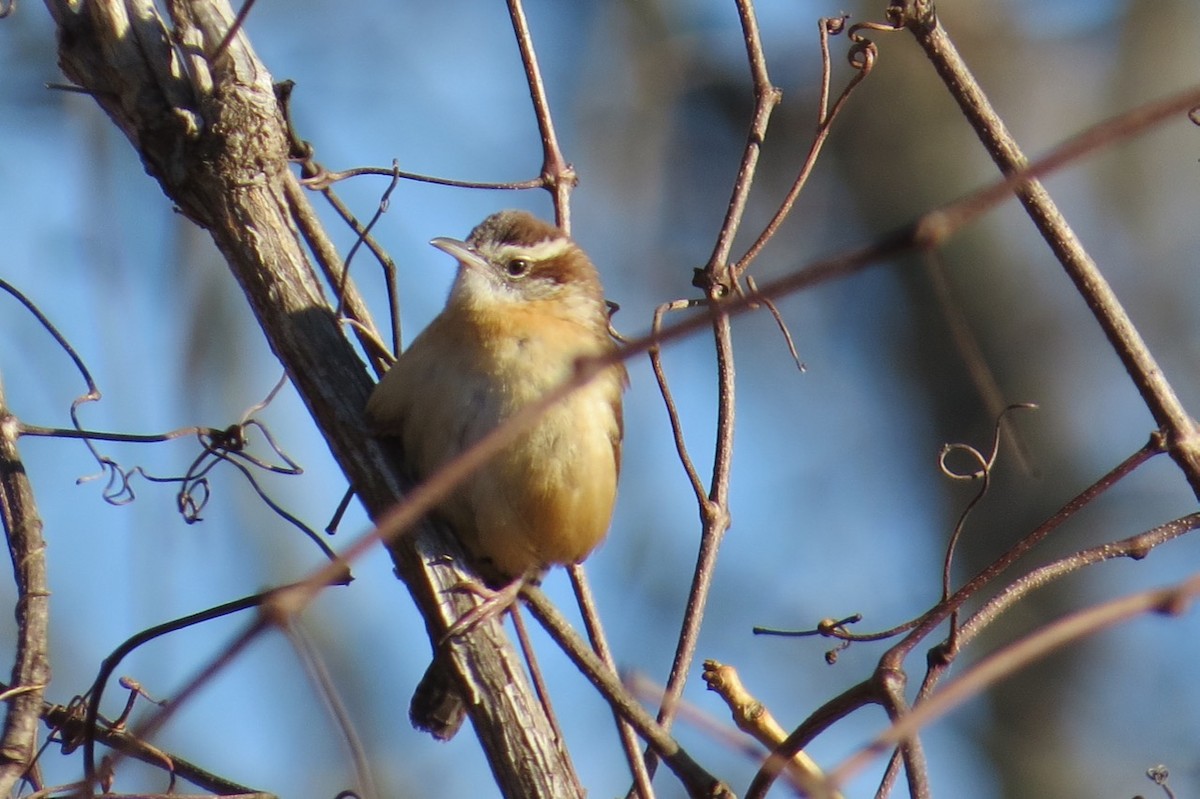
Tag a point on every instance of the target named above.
point(971, 353)
point(863, 61)
point(725, 735)
point(58, 337)
point(535, 676)
point(323, 684)
point(698, 782)
point(557, 176)
point(68, 728)
point(716, 282)
point(853, 698)
point(238, 22)
point(160, 717)
point(1134, 547)
point(110, 663)
point(766, 97)
point(350, 300)
point(320, 179)
point(595, 632)
point(660, 376)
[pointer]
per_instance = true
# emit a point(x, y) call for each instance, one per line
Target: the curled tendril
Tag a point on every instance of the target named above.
point(117, 488)
point(863, 52)
point(862, 55)
point(780, 324)
point(831, 655)
point(231, 445)
point(834, 25)
point(1158, 774)
point(68, 732)
point(983, 474)
point(985, 463)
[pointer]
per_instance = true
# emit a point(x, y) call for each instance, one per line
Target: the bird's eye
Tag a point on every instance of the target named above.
point(518, 267)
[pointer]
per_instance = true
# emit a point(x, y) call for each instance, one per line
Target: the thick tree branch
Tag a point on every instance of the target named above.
point(27, 548)
point(212, 134)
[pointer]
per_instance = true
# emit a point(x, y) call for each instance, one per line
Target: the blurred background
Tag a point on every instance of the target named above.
point(838, 505)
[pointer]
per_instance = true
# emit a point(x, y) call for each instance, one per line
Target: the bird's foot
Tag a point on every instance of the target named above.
point(494, 603)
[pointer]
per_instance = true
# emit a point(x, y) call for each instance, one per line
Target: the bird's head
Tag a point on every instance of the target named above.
point(512, 258)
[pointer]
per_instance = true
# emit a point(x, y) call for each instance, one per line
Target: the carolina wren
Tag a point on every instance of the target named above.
point(526, 304)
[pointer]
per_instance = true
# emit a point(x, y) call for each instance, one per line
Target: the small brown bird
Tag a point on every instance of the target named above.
point(526, 305)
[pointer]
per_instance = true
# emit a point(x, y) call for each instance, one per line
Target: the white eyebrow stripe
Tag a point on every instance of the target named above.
point(542, 251)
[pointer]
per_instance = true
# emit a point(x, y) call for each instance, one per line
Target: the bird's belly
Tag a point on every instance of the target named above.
point(548, 497)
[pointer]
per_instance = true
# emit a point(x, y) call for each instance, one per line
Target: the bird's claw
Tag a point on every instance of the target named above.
point(494, 603)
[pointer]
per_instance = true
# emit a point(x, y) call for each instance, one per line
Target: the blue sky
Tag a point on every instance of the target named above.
point(837, 503)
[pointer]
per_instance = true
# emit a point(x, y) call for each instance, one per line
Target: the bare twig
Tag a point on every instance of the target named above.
point(655, 354)
point(1134, 547)
point(68, 728)
point(717, 281)
point(969, 350)
point(110, 663)
point(595, 632)
point(754, 718)
point(697, 781)
point(863, 60)
point(351, 301)
point(557, 176)
point(238, 22)
point(321, 179)
point(535, 674)
point(318, 673)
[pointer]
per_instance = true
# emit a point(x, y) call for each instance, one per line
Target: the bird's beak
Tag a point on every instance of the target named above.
point(465, 254)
